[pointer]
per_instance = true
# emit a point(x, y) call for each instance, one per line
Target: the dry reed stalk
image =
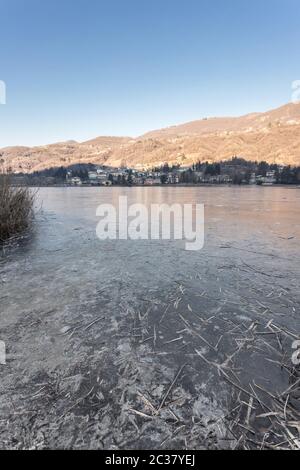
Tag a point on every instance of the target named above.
point(16, 209)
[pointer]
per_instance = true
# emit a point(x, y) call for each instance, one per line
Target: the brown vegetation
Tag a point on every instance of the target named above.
point(273, 137)
point(16, 209)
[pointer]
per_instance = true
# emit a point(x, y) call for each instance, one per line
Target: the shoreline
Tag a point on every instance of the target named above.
point(186, 185)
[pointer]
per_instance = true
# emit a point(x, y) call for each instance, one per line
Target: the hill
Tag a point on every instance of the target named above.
point(273, 136)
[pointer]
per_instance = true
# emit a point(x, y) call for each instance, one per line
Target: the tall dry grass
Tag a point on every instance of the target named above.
point(16, 208)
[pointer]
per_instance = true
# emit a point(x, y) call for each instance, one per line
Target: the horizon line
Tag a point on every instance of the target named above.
point(120, 136)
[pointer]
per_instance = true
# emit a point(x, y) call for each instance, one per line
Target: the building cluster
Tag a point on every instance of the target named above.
point(268, 180)
point(120, 176)
point(235, 171)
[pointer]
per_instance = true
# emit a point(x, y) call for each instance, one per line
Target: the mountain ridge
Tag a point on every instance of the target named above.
point(273, 136)
point(212, 124)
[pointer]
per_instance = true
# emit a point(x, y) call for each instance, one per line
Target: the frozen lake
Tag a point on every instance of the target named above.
point(112, 321)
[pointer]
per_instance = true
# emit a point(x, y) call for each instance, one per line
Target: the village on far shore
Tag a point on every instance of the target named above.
point(236, 171)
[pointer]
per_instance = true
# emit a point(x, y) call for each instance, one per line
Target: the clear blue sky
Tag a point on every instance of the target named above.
point(76, 69)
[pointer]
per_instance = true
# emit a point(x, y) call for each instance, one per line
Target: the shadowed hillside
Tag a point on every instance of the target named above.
point(273, 136)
